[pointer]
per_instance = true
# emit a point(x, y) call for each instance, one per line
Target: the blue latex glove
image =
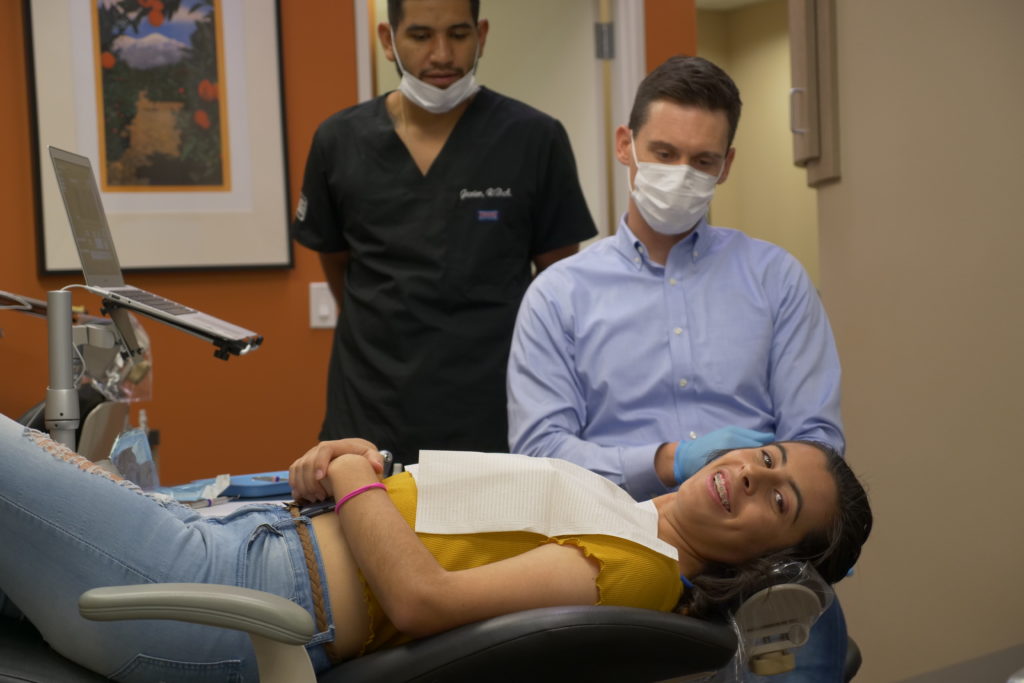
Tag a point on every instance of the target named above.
point(692, 455)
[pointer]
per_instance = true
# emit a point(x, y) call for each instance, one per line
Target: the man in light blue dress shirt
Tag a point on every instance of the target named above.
point(630, 357)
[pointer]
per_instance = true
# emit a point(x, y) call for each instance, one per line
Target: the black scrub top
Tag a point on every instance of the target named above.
point(438, 265)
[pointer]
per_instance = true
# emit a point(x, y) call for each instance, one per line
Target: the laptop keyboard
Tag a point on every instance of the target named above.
point(158, 302)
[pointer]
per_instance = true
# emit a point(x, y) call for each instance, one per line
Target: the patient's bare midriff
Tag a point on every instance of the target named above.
point(348, 602)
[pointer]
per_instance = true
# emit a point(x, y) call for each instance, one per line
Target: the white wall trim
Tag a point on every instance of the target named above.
point(364, 60)
point(630, 55)
point(630, 67)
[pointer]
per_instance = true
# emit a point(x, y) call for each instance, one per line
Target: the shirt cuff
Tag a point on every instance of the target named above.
point(639, 478)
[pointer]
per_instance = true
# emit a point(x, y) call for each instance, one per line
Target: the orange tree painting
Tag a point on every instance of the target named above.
point(161, 87)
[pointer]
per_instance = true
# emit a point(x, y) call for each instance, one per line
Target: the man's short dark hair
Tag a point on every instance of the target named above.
point(396, 11)
point(692, 81)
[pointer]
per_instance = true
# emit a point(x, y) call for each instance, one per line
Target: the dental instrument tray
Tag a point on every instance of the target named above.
point(258, 485)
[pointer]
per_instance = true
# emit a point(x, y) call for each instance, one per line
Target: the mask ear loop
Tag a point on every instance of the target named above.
point(636, 162)
point(476, 53)
point(632, 148)
point(725, 159)
point(394, 48)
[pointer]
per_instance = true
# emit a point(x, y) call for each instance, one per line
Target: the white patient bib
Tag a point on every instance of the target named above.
point(463, 492)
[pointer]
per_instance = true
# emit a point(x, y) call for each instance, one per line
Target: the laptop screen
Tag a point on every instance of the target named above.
point(88, 221)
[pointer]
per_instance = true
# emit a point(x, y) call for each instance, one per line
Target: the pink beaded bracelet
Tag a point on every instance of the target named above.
point(352, 494)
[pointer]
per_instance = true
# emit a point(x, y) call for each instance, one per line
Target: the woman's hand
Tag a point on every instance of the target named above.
point(308, 474)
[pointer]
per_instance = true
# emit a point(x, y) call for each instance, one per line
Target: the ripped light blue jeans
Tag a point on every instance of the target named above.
point(67, 526)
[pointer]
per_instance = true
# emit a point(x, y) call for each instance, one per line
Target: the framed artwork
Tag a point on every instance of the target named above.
point(177, 104)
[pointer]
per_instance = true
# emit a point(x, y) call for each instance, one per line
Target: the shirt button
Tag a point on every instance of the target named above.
point(636, 259)
point(696, 253)
point(683, 383)
point(673, 281)
point(693, 435)
point(678, 330)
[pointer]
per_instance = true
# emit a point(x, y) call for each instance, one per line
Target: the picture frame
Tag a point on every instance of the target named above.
point(182, 190)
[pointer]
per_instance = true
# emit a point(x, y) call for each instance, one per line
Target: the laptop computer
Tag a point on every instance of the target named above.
point(102, 270)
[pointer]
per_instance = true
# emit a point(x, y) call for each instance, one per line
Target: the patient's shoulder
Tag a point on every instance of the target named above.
point(631, 575)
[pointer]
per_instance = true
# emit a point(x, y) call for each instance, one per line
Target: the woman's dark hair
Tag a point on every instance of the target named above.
point(832, 552)
point(691, 81)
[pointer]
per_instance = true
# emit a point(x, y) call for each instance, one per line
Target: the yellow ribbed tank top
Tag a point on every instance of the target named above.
point(630, 574)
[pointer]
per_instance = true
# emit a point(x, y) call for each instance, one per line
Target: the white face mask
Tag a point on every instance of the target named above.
point(430, 97)
point(671, 198)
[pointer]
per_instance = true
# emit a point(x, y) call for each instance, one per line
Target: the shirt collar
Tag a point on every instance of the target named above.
point(630, 246)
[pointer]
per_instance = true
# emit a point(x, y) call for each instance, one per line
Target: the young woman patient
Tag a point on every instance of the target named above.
point(366, 575)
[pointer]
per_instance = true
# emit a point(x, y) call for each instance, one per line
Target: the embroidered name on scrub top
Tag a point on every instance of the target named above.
point(489, 193)
point(463, 492)
point(486, 215)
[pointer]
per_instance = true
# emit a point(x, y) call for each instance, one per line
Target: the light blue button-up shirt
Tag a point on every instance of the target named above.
point(614, 354)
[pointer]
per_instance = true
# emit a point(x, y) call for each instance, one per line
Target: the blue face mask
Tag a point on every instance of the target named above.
point(430, 97)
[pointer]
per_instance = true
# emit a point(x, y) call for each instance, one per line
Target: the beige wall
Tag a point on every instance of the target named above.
point(765, 196)
point(921, 244)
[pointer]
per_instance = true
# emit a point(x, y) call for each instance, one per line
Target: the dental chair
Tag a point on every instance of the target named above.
point(547, 645)
point(550, 644)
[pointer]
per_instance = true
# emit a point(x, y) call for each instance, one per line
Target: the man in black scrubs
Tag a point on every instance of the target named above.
point(428, 207)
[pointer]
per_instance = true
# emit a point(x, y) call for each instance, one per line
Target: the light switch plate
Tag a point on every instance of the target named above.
point(323, 311)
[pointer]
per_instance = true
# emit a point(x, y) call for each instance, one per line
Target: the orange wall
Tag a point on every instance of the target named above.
point(252, 413)
point(671, 27)
point(248, 414)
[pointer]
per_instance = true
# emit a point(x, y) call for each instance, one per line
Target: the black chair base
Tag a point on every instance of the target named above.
point(554, 645)
point(25, 658)
point(853, 660)
point(551, 645)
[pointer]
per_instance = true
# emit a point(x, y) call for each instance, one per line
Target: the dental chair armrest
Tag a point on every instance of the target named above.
point(278, 628)
point(242, 609)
